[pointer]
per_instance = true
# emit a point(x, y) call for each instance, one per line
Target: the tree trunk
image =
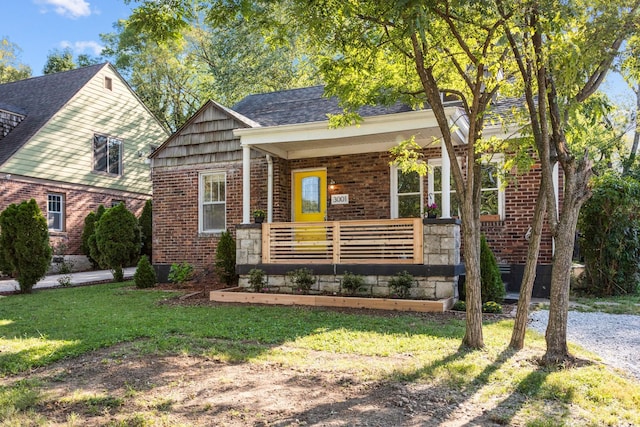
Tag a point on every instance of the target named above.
point(576, 193)
point(471, 236)
point(526, 287)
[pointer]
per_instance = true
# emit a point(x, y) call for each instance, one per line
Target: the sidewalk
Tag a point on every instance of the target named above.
point(85, 277)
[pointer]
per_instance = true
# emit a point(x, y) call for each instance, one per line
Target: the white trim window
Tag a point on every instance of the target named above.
point(55, 212)
point(212, 204)
point(493, 199)
point(107, 154)
point(406, 194)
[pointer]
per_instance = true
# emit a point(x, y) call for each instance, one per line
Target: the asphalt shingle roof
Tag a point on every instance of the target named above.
point(302, 105)
point(39, 98)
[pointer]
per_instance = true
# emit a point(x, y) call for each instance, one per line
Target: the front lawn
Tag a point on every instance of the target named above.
point(114, 355)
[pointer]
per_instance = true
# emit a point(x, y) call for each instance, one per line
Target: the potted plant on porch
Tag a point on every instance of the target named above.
point(259, 215)
point(431, 211)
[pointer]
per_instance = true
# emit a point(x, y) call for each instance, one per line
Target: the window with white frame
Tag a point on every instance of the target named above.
point(492, 197)
point(55, 212)
point(212, 202)
point(107, 154)
point(406, 194)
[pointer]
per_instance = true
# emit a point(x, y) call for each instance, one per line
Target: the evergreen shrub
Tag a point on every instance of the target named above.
point(225, 266)
point(118, 239)
point(145, 275)
point(492, 287)
point(609, 225)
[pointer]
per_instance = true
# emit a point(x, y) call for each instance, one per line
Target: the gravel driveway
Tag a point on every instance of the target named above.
point(613, 337)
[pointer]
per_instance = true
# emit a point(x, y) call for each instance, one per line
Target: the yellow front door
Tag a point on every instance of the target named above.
point(310, 196)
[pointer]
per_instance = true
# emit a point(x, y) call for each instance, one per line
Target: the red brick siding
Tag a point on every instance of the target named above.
point(78, 203)
point(176, 236)
point(364, 177)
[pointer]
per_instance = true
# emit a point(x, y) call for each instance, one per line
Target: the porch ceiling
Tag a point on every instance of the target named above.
point(374, 134)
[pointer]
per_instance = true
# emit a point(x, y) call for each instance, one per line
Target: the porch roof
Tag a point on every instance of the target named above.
point(373, 134)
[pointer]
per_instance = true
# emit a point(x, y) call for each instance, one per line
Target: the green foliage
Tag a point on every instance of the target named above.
point(302, 279)
point(11, 69)
point(492, 287)
point(610, 235)
point(118, 239)
point(491, 307)
point(400, 284)
point(24, 242)
point(145, 276)
point(257, 279)
point(92, 244)
point(87, 232)
point(146, 229)
point(181, 273)
point(58, 61)
point(352, 283)
point(460, 305)
point(226, 259)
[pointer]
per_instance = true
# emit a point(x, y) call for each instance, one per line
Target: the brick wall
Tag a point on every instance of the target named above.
point(79, 201)
point(176, 236)
point(364, 177)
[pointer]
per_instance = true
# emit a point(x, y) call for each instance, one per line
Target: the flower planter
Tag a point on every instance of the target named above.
point(236, 295)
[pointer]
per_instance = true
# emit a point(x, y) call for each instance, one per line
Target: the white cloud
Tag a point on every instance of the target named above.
point(90, 47)
point(70, 8)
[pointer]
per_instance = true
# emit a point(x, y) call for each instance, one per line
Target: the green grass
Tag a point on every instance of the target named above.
point(39, 329)
point(628, 304)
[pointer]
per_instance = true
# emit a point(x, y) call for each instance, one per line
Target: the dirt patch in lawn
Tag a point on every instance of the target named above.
point(117, 386)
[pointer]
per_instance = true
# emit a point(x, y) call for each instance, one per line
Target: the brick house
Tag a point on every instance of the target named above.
point(72, 141)
point(275, 152)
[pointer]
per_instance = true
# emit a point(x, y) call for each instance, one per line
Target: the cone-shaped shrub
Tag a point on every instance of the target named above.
point(490, 278)
point(145, 276)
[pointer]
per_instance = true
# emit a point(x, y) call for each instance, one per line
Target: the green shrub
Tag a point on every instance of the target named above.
point(226, 259)
point(490, 277)
point(610, 228)
point(460, 305)
point(302, 279)
point(145, 276)
point(146, 229)
point(257, 279)
point(92, 244)
point(118, 239)
point(491, 307)
point(180, 273)
point(352, 283)
point(400, 284)
point(24, 242)
point(87, 232)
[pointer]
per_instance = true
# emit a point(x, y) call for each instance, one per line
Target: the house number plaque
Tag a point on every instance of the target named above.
point(339, 199)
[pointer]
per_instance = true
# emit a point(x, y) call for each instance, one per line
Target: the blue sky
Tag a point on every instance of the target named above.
point(40, 26)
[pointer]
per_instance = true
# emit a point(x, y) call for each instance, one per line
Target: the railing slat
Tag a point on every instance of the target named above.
point(364, 241)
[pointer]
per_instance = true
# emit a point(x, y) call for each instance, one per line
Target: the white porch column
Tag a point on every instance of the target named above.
point(445, 181)
point(269, 188)
point(246, 184)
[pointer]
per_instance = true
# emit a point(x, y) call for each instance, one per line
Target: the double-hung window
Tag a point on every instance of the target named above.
point(55, 212)
point(492, 194)
point(107, 154)
point(212, 202)
point(406, 194)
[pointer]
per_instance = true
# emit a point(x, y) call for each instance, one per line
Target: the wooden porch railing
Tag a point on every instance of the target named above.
point(392, 241)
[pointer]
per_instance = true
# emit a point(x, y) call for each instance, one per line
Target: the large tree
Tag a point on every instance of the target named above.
point(10, 67)
point(564, 50)
point(417, 52)
point(177, 54)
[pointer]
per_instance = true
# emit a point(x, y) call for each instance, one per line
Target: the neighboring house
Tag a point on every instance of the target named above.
point(276, 152)
point(73, 141)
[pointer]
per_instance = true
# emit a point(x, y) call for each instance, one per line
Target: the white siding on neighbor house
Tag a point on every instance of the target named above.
point(63, 149)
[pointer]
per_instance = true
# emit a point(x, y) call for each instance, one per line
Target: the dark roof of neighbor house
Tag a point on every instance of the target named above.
point(38, 99)
point(302, 105)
